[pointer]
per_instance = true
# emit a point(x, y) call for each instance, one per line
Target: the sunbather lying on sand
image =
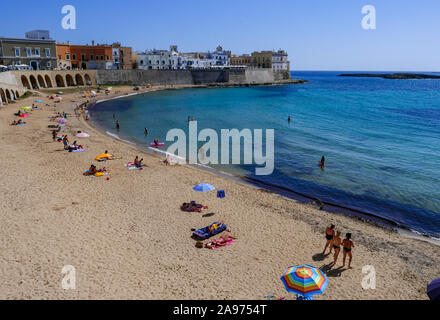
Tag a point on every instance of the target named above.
point(214, 227)
point(92, 170)
point(193, 207)
point(220, 241)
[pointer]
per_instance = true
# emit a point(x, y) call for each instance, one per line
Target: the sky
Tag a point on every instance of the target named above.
point(317, 34)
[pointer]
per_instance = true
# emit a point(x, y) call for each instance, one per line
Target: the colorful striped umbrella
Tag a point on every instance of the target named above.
point(433, 290)
point(304, 280)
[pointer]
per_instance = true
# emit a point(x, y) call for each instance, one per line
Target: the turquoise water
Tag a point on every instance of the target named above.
point(381, 138)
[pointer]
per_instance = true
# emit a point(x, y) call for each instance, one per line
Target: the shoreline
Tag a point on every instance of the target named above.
point(293, 195)
point(128, 238)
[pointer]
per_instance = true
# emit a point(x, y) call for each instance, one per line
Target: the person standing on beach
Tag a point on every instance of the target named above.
point(336, 246)
point(54, 135)
point(347, 244)
point(329, 234)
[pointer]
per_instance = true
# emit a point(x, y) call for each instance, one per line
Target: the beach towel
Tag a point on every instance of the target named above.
point(79, 150)
point(98, 174)
point(216, 244)
point(21, 124)
point(203, 233)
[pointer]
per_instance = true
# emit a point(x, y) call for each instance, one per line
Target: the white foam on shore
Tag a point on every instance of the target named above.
point(125, 96)
point(113, 135)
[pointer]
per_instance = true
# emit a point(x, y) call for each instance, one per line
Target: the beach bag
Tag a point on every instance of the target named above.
point(221, 194)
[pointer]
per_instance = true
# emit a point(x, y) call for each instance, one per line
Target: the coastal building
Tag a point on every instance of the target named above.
point(276, 60)
point(241, 60)
point(280, 61)
point(220, 57)
point(161, 60)
point(39, 54)
point(85, 56)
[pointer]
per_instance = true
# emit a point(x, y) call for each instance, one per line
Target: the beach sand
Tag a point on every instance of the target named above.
point(128, 239)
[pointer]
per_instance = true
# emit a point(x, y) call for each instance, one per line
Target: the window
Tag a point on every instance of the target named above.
point(49, 65)
point(83, 57)
point(28, 52)
point(37, 52)
point(74, 56)
point(67, 56)
point(102, 57)
point(92, 57)
point(17, 52)
point(107, 57)
point(47, 52)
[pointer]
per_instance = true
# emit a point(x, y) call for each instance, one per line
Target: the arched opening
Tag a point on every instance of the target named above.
point(48, 81)
point(8, 96)
point(34, 83)
point(25, 82)
point(79, 80)
point(88, 80)
point(17, 95)
point(41, 81)
point(83, 66)
point(3, 96)
point(60, 81)
point(69, 81)
point(13, 95)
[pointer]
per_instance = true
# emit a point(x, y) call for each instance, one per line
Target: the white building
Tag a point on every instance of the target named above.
point(280, 61)
point(221, 57)
point(161, 60)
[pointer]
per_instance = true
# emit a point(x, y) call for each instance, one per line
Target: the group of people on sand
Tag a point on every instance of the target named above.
point(138, 163)
point(334, 242)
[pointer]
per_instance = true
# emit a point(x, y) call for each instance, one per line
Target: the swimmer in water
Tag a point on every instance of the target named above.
point(146, 131)
point(117, 124)
point(322, 162)
point(288, 119)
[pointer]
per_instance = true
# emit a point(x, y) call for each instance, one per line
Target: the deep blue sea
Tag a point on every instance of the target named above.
point(380, 138)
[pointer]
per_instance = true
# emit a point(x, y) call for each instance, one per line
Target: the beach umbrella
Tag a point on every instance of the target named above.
point(304, 280)
point(83, 135)
point(62, 121)
point(26, 108)
point(433, 290)
point(203, 187)
point(24, 115)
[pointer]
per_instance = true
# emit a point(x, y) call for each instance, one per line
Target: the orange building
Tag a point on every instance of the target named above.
point(84, 56)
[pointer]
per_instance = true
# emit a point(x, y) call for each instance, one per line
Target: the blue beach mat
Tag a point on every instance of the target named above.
point(203, 233)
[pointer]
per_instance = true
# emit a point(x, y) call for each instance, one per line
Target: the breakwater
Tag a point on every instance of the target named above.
point(194, 77)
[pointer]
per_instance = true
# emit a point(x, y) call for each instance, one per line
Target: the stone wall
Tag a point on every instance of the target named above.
point(190, 77)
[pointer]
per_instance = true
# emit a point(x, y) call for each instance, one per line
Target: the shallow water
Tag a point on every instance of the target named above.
point(381, 138)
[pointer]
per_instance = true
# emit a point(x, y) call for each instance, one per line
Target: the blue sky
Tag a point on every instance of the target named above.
point(318, 34)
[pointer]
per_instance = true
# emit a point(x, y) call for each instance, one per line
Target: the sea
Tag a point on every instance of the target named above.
point(380, 139)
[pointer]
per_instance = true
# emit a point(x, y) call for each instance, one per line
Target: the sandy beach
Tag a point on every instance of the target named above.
point(128, 239)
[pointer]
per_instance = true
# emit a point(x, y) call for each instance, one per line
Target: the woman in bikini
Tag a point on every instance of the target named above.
point(347, 244)
point(336, 246)
point(329, 234)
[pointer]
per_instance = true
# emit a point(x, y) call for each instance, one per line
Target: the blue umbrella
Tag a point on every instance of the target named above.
point(203, 187)
point(433, 290)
